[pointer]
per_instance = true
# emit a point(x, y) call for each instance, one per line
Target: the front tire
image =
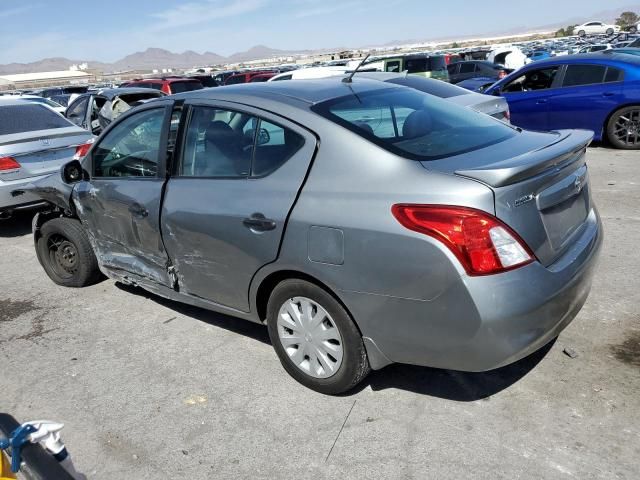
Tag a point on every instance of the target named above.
point(609, 31)
point(582, 33)
point(623, 128)
point(315, 339)
point(65, 253)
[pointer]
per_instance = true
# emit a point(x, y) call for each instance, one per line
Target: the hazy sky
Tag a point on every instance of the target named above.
point(108, 30)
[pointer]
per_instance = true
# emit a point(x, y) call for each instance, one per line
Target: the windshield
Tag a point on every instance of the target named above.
point(29, 118)
point(413, 124)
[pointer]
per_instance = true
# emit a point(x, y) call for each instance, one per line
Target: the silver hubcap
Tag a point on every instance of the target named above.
point(310, 337)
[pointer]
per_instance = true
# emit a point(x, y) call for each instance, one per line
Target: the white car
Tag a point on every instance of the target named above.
point(596, 28)
point(56, 107)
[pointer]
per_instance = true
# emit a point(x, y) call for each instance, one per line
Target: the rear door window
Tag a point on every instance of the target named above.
point(416, 65)
point(393, 66)
point(29, 118)
point(467, 68)
point(576, 75)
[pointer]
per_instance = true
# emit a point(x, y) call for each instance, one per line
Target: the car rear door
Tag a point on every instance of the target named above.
point(120, 203)
point(226, 206)
point(588, 94)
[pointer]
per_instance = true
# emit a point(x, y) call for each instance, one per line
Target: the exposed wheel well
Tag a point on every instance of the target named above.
point(271, 281)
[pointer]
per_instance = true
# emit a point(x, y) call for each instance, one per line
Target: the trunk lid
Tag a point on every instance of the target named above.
point(40, 152)
point(540, 183)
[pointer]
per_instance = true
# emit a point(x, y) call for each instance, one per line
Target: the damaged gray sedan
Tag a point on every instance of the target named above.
point(363, 222)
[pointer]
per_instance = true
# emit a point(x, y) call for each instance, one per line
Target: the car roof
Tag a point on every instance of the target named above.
point(16, 100)
point(303, 91)
point(597, 57)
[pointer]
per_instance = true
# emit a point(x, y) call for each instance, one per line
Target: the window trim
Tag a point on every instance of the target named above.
point(164, 136)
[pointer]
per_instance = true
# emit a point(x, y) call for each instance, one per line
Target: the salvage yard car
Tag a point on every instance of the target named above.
point(597, 91)
point(34, 142)
point(95, 111)
point(365, 223)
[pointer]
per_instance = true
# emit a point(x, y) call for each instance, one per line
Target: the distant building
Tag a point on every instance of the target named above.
point(45, 79)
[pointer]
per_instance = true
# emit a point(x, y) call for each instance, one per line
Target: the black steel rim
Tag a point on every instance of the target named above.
point(63, 256)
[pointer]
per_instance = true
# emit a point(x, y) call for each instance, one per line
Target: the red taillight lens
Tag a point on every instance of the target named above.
point(82, 150)
point(482, 243)
point(9, 163)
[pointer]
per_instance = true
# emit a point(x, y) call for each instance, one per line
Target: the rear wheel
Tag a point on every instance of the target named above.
point(623, 128)
point(610, 31)
point(315, 339)
point(582, 33)
point(65, 253)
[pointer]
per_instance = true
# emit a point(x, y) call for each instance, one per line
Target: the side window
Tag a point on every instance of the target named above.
point(76, 112)
point(416, 65)
point(583, 75)
point(274, 146)
point(533, 80)
point(614, 75)
point(467, 68)
point(284, 77)
point(453, 68)
point(217, 144)
point(393, 66)
point(131, 148)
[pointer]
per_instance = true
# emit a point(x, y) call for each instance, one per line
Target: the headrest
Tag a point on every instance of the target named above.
point(418, 124)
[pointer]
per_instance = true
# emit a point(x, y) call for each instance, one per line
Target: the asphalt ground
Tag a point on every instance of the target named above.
point(149, 388)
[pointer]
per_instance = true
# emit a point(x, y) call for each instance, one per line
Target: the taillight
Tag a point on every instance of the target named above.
point(482, 243)
point(9, 163)
point(82, 150)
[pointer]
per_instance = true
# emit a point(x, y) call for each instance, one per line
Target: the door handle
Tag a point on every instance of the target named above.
point(608, 94)
point(138, 210)
point(258, 223)
point(541, 101)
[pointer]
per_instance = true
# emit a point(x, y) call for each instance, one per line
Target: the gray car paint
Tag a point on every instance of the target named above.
point(409, 296)
point(40, 153)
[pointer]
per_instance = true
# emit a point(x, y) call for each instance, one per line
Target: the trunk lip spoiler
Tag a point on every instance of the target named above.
point(557, 154)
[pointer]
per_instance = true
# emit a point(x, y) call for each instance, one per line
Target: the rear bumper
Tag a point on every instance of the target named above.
point(481, 323)
point(26, 200)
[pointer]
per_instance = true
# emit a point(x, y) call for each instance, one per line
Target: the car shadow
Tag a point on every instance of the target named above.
point(18, 225)
point(433, 382)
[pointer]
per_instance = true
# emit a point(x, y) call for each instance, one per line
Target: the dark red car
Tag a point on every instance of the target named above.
point(168, 85)
point(247, 77)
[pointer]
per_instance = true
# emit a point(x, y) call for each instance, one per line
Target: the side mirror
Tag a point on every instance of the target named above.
point(263, 136)
point(73, 172)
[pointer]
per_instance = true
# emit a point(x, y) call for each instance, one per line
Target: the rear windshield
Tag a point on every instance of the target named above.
point(179, 87)
point(413, 124)
point(29, 118)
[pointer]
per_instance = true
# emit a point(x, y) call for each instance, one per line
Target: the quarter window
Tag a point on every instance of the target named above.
point(467, 68)
point(614, 75)
point(131, 148)
point(393, 66)
point(583, 75)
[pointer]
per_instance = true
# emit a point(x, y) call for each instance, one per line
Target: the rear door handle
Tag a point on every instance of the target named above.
point(608, 94)
point(542, 101)
point(258, 223)
point(138, 210)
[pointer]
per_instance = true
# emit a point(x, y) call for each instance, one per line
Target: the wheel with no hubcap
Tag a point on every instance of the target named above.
point(65, 253)
point(623, 128)
point(316, 340)
point(610, 31)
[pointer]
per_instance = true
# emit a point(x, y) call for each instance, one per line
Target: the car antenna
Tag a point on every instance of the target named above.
point(349, 79)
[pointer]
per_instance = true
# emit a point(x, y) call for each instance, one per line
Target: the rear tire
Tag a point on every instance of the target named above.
point(65, 253)
point(610, 31)
point(582, 33)
point(623, 128)
point(304, 350)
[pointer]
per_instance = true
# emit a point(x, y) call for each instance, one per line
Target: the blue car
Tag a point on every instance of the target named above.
point(540, 55)
point(478, 84)
point(592, 91)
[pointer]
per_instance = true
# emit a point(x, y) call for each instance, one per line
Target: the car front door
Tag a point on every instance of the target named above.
point(588, 94)
point(120, 203)
point(529, 95)
point(226, 205)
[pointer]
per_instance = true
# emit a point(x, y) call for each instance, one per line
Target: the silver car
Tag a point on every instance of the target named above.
point(34, 142)
point(363, 222)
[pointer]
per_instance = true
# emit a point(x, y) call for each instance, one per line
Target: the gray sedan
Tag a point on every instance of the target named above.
point(362, 222)
point(34, 142)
